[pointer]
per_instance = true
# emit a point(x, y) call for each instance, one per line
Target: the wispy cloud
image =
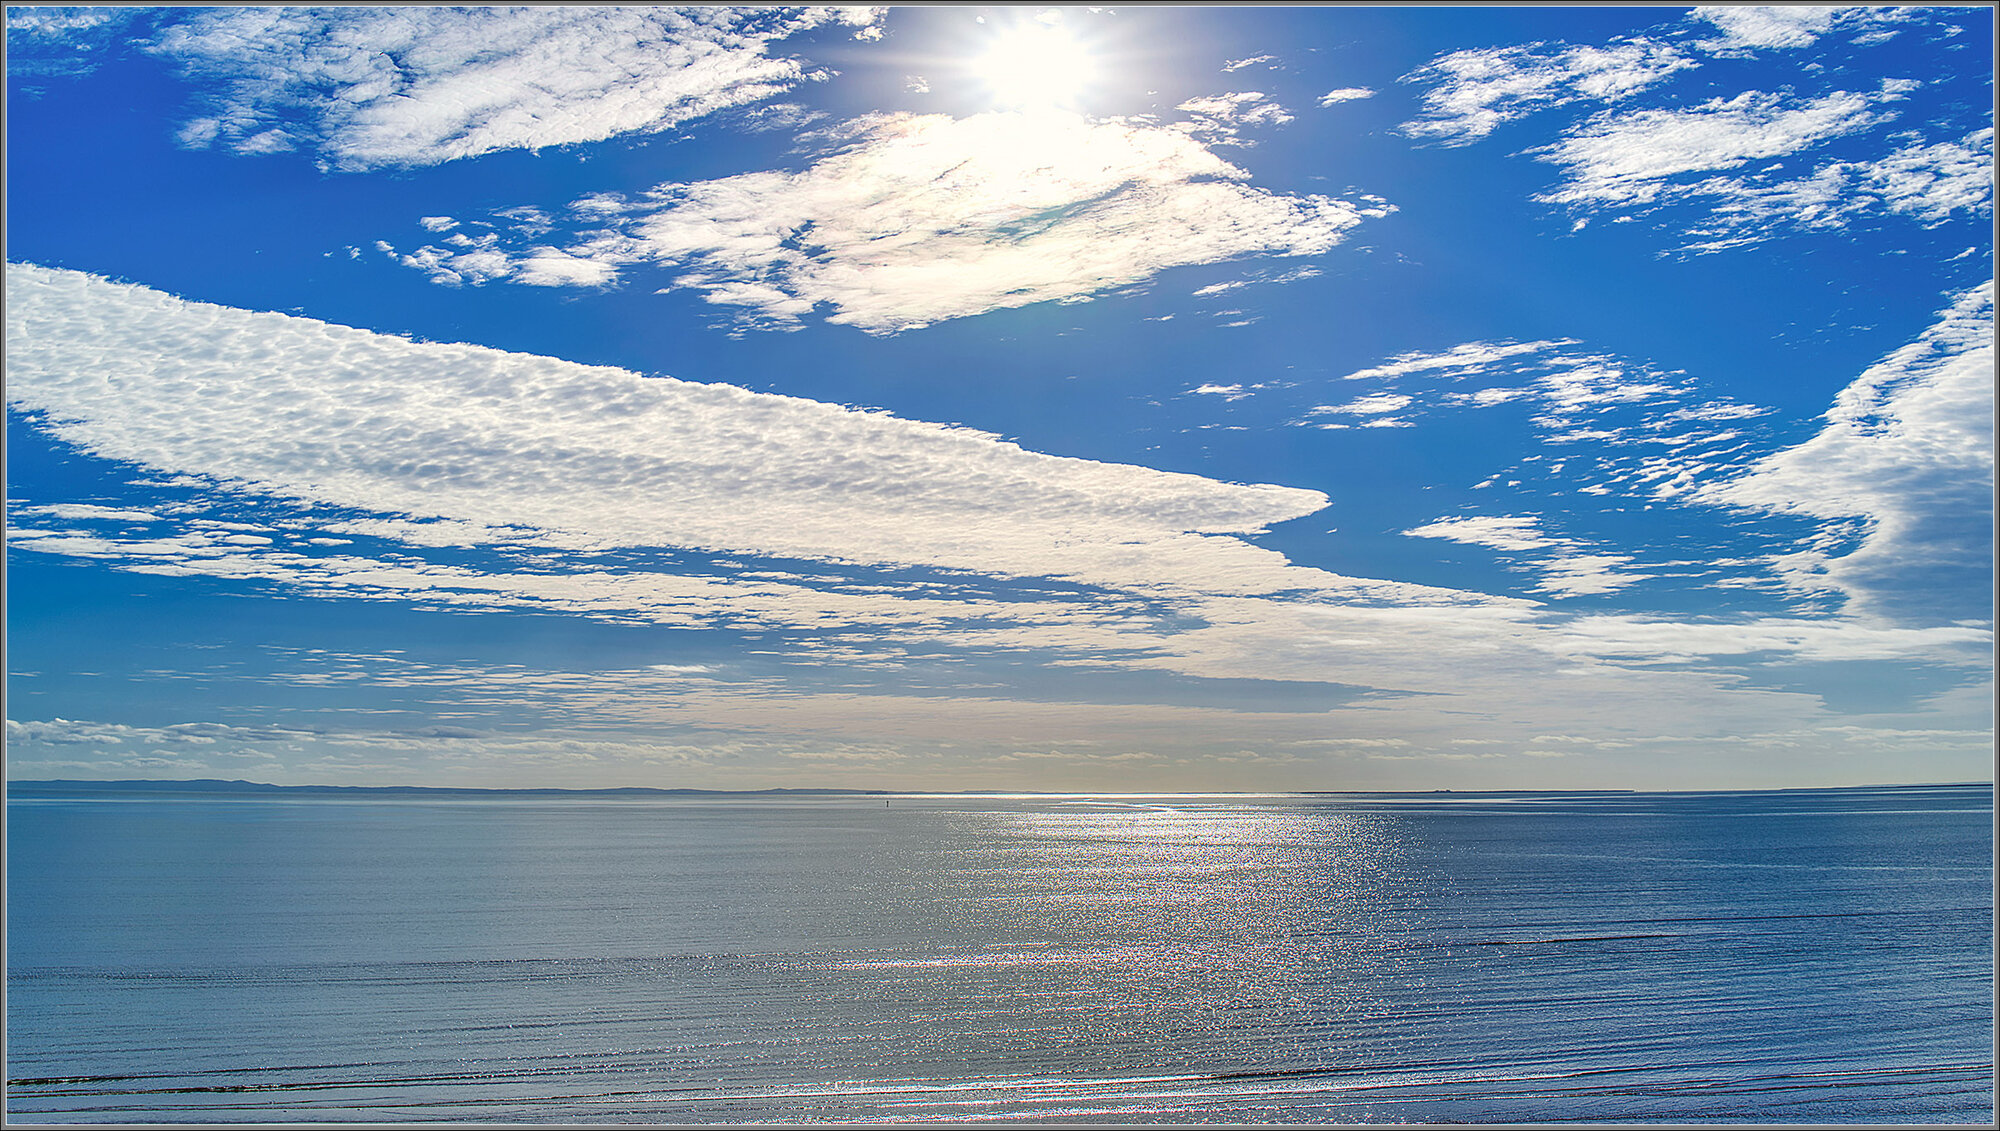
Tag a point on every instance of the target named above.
point(1468, 94)
point(1472, 93)
point(1567, 385)
point(1598, 409)
point(1902, 472)
point(1907, 447)
point(1345, 94)
point(1374, 410)
point(1792, 25)
point(87, 512)
point(1460, 360)
point(1226, 392)
point(1931, 182)
point(925, 218)
point(1222, 118)
point(1570, 571)
point(62, 41)
point(1256, 278)
point(1628, 159)
point(1496, 532)
point(1239, 64)
point(1601, 434)
point(368, 87)
point(60, 22)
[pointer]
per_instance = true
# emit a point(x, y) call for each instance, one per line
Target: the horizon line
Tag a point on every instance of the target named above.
point(241, 786)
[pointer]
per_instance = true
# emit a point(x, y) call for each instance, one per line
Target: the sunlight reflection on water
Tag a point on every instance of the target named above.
point(1189, 959)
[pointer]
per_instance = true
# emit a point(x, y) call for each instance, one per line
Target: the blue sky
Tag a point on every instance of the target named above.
point(1166, 398)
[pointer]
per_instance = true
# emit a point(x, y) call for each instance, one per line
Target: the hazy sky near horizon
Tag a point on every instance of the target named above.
point(1164, 398)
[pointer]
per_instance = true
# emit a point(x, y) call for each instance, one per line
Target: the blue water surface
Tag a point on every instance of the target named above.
point(1818, 956)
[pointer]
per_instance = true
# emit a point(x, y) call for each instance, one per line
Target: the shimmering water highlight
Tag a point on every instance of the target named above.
point(1804, 956)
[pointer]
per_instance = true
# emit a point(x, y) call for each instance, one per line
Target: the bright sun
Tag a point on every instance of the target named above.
point(1034, 65)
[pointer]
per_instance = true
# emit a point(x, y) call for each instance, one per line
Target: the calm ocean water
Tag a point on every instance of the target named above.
point(1805, 956)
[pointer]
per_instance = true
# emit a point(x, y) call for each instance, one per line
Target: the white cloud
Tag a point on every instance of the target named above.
point(1613, 421)
point(1226, 392)
point(1472, 93)
point(89, 512)
point(1345, 94)
point(1606, 425)
point(1565, 384)
point(1574, 572)
point(1628, 159)
point(1717, 410)
point(1638, 160)
point(477, 447)
point(489, 441)
point(1579, 575)
point(1223, 117)
point(63, 41)
point(1790, 26)
point(1928, 181)
point(597, 492)
point(926, 218)
point(442, 532)
point(1576, 384)
point(396, 86)
point(853, 620)
point(69, 732)
point(1374, 405)
point(549, 267)
point(1460, 360)
point(1933, 181)
point(60, 22)
point(1750, 25)
point(1227, 285)
point(1495, 532)
point(1908, 446)
point(1239, 64)
point(325, 756)
point(1844, 641)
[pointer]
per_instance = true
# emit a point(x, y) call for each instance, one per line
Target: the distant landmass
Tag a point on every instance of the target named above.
point(211, 786)
point(216, 787)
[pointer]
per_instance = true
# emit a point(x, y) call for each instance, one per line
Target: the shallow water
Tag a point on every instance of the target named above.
point(1803, 956)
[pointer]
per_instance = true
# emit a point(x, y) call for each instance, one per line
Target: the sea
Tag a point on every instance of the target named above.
point(1800, 956)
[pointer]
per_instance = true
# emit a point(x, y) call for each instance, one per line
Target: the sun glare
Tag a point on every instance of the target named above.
point(1034, 65)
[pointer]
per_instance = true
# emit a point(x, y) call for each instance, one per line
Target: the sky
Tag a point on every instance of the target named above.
point(1169, 398)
